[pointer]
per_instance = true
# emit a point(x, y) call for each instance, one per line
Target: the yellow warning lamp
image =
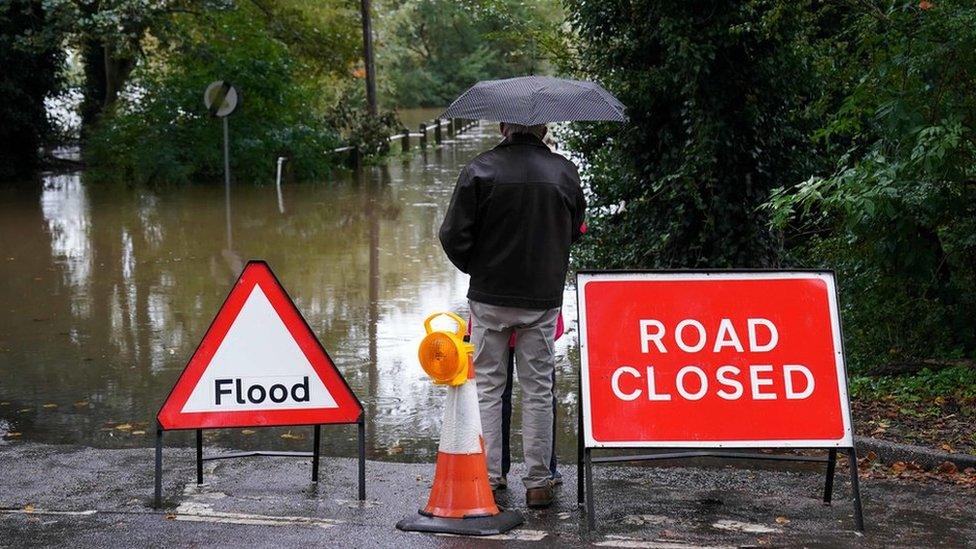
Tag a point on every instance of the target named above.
point(446, 356)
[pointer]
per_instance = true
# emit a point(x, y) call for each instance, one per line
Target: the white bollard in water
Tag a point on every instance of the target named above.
point(281, 202)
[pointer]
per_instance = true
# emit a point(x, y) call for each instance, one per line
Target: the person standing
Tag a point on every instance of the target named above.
point(515, 212)
point(554, 474)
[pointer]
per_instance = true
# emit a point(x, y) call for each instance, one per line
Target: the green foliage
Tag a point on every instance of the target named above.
point(896, 216)
point(846, 129)
point(957, 381)
point(110, 35)
point(362, 130)
point(432, 50)
point(31, 59)
point(716, 93)
point(159, 131)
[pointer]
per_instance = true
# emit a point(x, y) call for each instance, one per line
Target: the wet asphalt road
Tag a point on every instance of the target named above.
point(85, 497)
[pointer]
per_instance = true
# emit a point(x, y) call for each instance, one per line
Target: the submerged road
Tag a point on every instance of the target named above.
point(52, 495)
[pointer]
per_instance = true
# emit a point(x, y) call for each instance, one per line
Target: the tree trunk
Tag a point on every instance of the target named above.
point(106, 73)
point(117, 70)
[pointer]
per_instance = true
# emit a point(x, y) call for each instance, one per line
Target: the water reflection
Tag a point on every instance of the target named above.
point(108, 290)
point(64, 204)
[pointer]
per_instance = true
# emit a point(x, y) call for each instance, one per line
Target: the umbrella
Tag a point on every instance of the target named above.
point(530, 100)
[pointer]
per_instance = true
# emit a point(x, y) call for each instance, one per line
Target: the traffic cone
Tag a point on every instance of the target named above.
point(460, 501)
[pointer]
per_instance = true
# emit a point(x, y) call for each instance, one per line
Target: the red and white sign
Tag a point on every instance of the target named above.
point(712, 359)
point(259, 365)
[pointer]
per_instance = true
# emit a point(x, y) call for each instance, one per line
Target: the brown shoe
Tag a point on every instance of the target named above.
point(539, 498)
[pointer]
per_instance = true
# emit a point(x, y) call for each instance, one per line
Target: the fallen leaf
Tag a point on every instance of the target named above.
point(124, 427)
point(292, 436)
point(138, 432)
point(29, 508)
point(248, 431)
point(81, 404)
point(782, 520)
point(13, 434)
point(871, 456)
point(394, 450)
point(22, 410)
point(948, 448)
point(170, 516)
point(898, 467)
point(50, 405)
point(4, 404)
point(948, 468)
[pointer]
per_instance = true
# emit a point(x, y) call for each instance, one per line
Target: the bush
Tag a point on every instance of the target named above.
point(714, 91)
point(896, 216)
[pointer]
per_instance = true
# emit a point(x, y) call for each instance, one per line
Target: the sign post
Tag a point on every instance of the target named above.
point(259, 365)
point(221, 100)
point(708, 363)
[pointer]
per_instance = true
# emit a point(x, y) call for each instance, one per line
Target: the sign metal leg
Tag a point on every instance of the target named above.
point(829, 482)
point(856, 490)
point(590, 519)
point(158, 492)
point(316, 437)
point(362, 458)
point(199, 456)
point(580, 489)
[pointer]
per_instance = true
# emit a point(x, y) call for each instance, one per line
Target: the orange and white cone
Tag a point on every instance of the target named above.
point(461, 501)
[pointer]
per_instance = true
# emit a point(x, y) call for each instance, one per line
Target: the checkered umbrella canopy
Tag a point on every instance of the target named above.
point(531, 100)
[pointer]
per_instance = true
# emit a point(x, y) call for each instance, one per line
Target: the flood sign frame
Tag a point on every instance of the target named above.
point(259, 365)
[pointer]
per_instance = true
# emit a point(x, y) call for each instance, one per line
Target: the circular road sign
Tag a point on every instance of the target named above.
point(220, 98)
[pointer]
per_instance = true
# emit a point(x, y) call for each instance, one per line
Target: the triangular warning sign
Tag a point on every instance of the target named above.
point(259, 364)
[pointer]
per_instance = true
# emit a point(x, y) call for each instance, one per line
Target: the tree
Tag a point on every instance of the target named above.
point(432, 50)
point(110, 35)
point(715, 94)
point(31, 56)
point(158, 130)
point(895, 210)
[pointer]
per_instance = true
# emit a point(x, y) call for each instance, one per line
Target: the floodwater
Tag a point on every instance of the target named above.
point(107, 290)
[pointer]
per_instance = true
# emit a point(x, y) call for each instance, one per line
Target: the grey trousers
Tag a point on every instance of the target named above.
point(491, 328)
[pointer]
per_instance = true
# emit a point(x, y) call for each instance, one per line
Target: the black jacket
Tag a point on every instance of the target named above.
point(516, 210)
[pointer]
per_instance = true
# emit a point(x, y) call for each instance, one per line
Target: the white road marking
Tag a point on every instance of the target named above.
point(515, 535)
point(747, 527)
point(202, 512)
point(634, 543)
point(48, 512)
point(641, 520)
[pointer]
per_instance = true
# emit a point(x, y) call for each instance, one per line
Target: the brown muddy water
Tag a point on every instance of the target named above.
point(107, 290)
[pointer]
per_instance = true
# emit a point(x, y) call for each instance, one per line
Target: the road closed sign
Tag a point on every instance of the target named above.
point(712, 359)
point(259, 364)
